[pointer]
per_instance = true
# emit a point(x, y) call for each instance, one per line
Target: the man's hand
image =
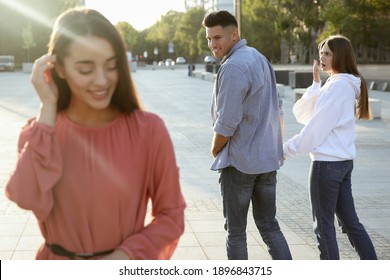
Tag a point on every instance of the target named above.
point(219, 142)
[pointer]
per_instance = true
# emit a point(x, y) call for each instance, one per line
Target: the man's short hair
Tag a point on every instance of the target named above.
point(222, 18)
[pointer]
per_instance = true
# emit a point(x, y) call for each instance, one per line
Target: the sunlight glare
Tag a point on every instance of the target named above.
point(29, 12)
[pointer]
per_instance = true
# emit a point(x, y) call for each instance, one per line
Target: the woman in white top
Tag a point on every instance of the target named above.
point(328, 113)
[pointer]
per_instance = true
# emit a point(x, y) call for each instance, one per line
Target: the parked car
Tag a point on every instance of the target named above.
point(180, 60)
point(209, 59)
point(7, 62)
point(169, 62)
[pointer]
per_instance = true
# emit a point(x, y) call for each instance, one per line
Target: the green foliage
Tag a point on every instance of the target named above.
point(203, 48)
point(186, 35)
point(128, 33)
point(161, 34)
point(299, 24)
point(259, 29)
point(303, 23)
point(336, 15)
point(182, 29)
point(365, 22)
point(271, 26)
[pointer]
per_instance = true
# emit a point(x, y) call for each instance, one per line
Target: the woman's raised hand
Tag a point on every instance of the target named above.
point(42, 80)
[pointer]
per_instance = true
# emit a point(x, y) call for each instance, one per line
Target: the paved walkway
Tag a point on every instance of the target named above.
point(184, 103)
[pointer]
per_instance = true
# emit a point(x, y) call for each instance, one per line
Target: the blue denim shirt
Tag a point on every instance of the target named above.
point(246, 107)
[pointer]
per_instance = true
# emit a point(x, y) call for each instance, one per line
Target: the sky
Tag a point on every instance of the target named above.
point(141, 14)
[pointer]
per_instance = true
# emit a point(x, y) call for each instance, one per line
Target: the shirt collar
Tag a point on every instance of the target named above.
point(239, 44)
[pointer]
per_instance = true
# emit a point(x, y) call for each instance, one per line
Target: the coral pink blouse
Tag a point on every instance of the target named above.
point(89, 187)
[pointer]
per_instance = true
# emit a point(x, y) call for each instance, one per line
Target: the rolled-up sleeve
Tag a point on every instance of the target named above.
point(233, 87)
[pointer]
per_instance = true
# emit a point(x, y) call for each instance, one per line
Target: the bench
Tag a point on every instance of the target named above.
point(383, 86)
point(282, 76)
point(300, 79)
point(375, 107)
point(280, 88)
point(199, 75)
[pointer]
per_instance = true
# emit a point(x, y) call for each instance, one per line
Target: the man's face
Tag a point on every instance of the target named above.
point(221, 39)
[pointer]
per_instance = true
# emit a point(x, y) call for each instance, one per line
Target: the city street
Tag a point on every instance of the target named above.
point(184, 104)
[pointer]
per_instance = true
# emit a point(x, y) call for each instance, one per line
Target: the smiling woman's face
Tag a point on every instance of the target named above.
point(90, 69)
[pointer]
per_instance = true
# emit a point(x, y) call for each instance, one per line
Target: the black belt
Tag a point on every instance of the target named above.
point(60, 251)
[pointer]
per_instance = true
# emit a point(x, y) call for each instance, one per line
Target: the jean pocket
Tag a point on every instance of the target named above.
point(268, 178)
point(339, 168)
point(231, 175)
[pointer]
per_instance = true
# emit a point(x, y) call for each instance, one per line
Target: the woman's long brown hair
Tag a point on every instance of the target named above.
point(81, 22)
point(344, 62)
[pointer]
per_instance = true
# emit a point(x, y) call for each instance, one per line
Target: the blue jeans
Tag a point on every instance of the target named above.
point(238, 190)
point(330, 194)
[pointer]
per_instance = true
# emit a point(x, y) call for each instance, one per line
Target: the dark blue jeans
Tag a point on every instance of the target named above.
point(330, 194)
point(238, 190)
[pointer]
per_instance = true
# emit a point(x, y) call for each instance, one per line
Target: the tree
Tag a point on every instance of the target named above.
point(28, 40)
point(303, 23)
point(162, 33)
point(203, 48)
point(300, 24)
point(128, 33)
point(364, 22)
point(295, 26)
point(186, 35)
point(259, 29)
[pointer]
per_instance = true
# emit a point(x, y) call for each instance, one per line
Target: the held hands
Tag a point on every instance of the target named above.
point(46, 89)
point(316, 71)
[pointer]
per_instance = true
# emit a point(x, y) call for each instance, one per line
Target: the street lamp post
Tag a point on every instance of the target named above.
point(155, 51)
point(237, 8)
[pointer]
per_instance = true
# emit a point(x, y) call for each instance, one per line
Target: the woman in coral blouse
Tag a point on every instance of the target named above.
point(92, 158)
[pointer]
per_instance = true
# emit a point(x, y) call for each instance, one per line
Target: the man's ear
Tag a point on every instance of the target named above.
point(235, 35)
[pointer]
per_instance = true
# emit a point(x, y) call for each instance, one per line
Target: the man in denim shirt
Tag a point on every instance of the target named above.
point(247, 143)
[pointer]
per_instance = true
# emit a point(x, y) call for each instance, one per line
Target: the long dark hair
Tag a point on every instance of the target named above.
point(344, 62)
point(80, 22)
